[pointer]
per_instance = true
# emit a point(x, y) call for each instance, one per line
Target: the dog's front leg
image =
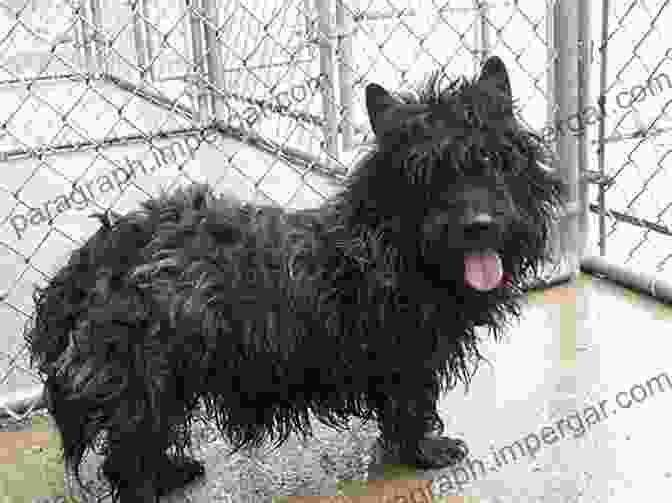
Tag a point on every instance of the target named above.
point(412, 429)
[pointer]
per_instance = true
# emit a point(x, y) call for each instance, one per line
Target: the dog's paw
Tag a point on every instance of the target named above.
point(177, 473)
point(437, 452)
point(431, 453)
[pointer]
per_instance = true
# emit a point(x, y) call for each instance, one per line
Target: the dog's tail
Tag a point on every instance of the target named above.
point(87, 335)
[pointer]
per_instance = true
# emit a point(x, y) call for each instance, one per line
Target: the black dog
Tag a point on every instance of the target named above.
point(364, 307)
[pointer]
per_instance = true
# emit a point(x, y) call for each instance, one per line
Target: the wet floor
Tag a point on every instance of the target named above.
point(574, 408)
point(594, 349)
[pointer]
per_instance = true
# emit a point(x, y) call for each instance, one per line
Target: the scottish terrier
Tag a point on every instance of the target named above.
point(365, 306)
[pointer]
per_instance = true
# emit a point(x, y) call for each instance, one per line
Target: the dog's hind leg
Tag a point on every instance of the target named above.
point(145, 485)
point(140, 470)
point(151, 419)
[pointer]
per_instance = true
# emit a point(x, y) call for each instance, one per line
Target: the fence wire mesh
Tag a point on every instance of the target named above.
point(106, 102)
point(632, 204)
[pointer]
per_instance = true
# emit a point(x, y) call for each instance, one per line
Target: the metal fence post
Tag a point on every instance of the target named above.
point(143, 37)
point(567, 82)
point(482, 32)
point(584, 99)
point(149, 39)
point(87, 42)
point(213, 56)
point(328, 81)
point(601, 144)
point(79, 34)
point(139, 37)
point(195, 13)
point(345, 62)
point(98, 38)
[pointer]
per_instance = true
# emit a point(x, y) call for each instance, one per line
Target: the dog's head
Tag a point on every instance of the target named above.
point(456, 185)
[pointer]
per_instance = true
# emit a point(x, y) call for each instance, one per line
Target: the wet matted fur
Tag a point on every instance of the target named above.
point(363, 307)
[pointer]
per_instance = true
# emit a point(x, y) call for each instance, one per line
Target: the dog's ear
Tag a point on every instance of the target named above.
point(380, 106)
point(385, 112)
point(494, 71)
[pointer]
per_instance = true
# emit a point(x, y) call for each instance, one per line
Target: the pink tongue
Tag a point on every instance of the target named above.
point(483, 271)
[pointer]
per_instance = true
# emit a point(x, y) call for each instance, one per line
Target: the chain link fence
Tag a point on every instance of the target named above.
point(629, 128)
point(106, 102)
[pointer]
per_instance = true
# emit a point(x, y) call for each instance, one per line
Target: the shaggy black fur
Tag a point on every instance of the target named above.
point(359, 308)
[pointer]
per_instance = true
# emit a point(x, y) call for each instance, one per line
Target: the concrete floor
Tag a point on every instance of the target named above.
point(577, 348)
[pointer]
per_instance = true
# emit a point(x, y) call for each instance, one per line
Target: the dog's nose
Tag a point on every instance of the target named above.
point(479, 220)
point(478, 224)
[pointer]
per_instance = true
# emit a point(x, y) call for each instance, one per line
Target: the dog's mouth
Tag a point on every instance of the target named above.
point(483, 270)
